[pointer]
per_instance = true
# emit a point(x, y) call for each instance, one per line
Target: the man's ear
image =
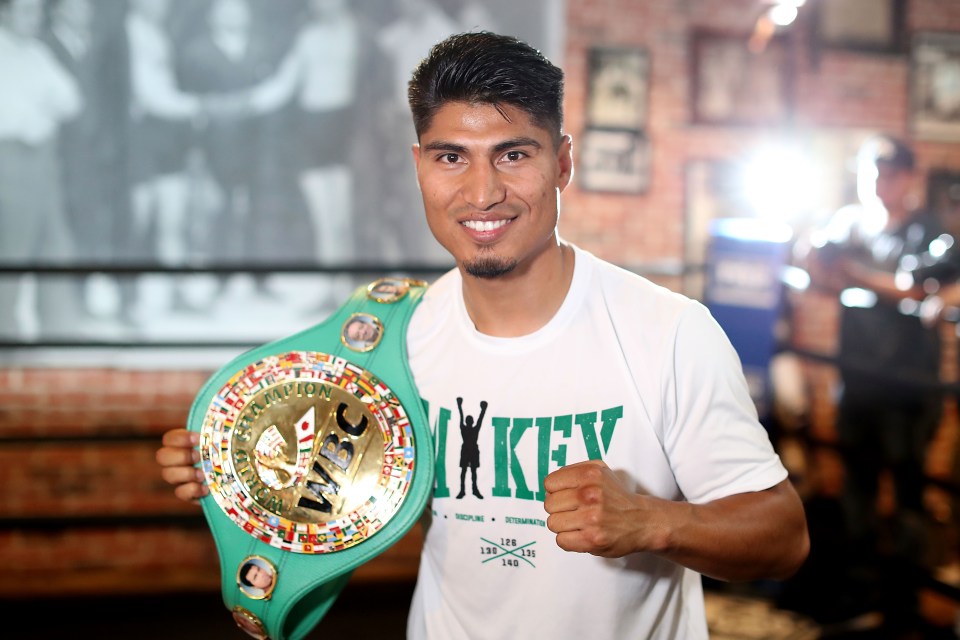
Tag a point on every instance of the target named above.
point(565, 161)
point(415, 149)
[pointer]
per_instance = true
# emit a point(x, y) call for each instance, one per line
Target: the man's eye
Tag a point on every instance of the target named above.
point(451, 158)
point(513, 156)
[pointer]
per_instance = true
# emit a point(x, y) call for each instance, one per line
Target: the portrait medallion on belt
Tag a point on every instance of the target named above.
point(390, 290)
point(250, 623)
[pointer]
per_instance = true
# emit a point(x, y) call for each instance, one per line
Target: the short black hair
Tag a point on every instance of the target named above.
point(243, 574)
point(481, 67)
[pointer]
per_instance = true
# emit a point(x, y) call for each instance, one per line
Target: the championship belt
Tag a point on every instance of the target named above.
point(318, 457)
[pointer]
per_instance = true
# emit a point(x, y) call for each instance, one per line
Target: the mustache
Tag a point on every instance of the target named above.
point(497, 211)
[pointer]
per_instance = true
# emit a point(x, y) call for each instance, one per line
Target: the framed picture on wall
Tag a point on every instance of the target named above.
point(732, 85)
point(614, 160)
point(862, 25)
point(618, 83)
point(935, 86)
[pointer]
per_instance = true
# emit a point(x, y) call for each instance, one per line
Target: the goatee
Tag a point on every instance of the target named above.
point(488, 267)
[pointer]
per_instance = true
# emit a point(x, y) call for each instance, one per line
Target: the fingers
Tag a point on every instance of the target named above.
point(177, 457)
point(583, 532)
point(572, 491)
point(181, 475)
point(591, 510)
point(574, 475)
point(181, 438)
point(576, 542)
point(179, 448)
point(569, 520)
point(191, 492)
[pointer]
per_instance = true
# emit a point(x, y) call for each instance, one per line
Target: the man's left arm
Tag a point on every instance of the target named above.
point(746, 536)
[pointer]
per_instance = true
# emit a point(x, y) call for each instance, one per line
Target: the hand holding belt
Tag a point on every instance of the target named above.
point(318, 456)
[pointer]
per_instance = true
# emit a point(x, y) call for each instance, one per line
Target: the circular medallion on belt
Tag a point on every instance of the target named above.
point(307, 451)
point(390, 290)
point(250, 623)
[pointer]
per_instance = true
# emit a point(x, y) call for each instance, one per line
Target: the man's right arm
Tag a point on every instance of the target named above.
point(177, 456)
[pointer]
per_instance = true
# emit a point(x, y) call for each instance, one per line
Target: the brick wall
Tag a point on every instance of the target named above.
point(79, 443)
point(85, 510)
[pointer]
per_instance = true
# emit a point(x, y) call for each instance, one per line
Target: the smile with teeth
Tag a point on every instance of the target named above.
point(484, 225)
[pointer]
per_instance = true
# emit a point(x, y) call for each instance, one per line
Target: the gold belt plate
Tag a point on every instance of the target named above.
point(307, 451)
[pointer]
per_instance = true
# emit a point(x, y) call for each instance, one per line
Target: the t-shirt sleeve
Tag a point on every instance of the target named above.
point(712, 436)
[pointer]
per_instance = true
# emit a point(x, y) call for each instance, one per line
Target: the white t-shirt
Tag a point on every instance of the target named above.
point(627, 372)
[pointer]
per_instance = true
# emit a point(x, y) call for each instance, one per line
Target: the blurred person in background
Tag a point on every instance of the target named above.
point(161, 118)
point(70, 38)
point(224, 161)
point(888, 406)
point(403, 42)
point(92, 169)
point(38, 97)
point(319, 79)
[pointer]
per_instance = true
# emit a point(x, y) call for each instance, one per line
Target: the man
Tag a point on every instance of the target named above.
point(70, 38)
point(469, 451)
point(401, 44)
point(91, 161)
point(888, 407)
point(320, 76)
point(606, 493)
point(256, 576)
point(223, 59)
point(225, 165)
point(361, 332)
point(39, 97)
point(161, 121)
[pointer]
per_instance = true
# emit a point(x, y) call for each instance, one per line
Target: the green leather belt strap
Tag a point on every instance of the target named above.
point(317, 452)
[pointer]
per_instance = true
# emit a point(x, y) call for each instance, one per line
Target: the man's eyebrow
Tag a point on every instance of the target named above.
point(516, 142)
point(443, 145)
point(453, 147)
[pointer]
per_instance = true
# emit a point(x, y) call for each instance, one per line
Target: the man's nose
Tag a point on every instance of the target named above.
point(483, 186)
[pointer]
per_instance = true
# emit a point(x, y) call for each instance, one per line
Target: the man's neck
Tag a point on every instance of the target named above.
point(523, 301)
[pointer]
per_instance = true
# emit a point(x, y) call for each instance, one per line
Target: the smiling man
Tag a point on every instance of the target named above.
point(621, 453)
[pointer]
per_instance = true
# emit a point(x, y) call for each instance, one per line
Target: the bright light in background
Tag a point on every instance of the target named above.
point(940, 246)
point(795, 277)
point(781, 183)
point(867, 175)
point(782, 15)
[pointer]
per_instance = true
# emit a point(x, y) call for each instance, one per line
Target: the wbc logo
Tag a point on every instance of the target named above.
point(307, 451)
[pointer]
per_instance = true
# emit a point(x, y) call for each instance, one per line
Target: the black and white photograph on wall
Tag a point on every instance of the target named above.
point(231, 133)
point(935, 86)
point(734, 85)
point(618, 82)
point(614, 160)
